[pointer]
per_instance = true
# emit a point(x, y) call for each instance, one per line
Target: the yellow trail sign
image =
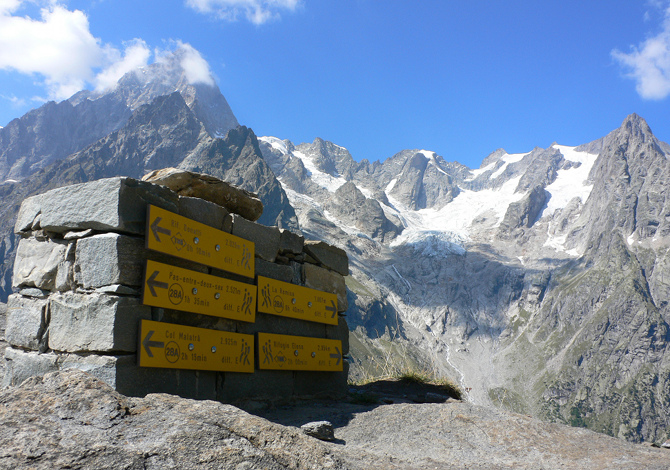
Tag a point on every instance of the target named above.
point(284, 352)
point(182, 289)
point(184, 347)
point(179, 236)
point(290, 300)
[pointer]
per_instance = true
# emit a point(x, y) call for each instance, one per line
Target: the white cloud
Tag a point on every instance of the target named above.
point(136, 54)
point(60, 49)
point(649, 63)
point(60, 53)
point(195, 67)
point(255, 11)
point(16, 102)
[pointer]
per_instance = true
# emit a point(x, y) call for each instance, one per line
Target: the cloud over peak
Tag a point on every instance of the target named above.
point(195, 67)
point(255, 11)
point(59, 50)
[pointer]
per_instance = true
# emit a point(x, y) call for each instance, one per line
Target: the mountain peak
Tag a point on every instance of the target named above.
point(183, 70)
point(635, 125)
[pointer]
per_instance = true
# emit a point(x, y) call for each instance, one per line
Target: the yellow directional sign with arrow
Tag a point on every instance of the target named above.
point(289, 300)
point(182, 289)
point(284, 352)
point(179, 236)
point(184, 347)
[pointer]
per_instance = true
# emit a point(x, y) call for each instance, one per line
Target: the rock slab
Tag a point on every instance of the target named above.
point(209, 188)
point(72, 420)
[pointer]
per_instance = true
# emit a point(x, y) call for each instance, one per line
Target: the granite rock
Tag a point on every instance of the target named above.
point(210, 188)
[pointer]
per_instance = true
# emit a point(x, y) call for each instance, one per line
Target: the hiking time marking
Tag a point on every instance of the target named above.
point(290, 300)
point(179, 236)
point(284, 352)
point(182, 289)
point(170, 346)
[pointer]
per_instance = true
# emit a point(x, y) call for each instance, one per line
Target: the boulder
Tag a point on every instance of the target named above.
point(320, 429)
point(329, 256)
point(187, 183)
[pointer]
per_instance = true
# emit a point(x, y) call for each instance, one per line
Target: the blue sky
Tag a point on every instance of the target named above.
point(375, 76)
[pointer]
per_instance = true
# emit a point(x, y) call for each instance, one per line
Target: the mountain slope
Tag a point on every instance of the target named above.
point(539, 279)
point(56, 130)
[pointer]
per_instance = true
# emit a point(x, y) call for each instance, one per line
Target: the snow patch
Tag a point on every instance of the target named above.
point(479, 171)
point(275, 143)
point(299, 199)
point(366, 192)
point(324, 180)
point(432, 243)
point(507, 159)
point(455, 219)
point(556, 242)
point(570, 183)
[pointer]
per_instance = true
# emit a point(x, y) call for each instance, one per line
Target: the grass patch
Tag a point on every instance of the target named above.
point(442, 383)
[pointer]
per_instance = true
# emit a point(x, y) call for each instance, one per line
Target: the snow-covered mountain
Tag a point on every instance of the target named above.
point(423, 197)
point(521, 277)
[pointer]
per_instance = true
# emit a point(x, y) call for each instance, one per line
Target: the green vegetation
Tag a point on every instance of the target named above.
point(509, 400)
point(576, 420)
point(357, 287)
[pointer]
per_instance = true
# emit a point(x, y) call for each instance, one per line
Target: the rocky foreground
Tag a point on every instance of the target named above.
point(69, 419)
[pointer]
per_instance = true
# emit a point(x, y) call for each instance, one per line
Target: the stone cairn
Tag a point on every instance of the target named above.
point(79, 272)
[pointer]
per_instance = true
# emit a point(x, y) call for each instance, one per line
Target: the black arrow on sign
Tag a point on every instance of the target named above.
point(156, 229)
point(332, 309)
point(152, 282)
point(337, 356)
point(148, 344)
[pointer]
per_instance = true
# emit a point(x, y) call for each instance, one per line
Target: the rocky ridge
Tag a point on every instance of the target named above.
point(56, 130)
point(69, 419)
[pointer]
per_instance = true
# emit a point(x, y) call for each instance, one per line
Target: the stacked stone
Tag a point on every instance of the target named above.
point(79, 270)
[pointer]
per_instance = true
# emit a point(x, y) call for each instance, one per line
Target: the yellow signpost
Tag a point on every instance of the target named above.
point(185, 238)
point(289, 300)
point(182, 289)
point(184, 347)
point(283, 352)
